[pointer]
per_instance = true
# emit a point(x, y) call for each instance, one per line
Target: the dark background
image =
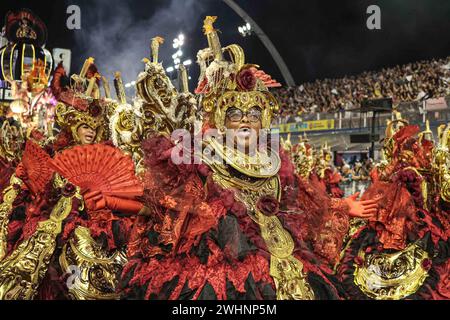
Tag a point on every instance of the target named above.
point(317, 39)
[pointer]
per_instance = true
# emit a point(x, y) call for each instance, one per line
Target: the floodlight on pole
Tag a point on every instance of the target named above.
point(265, 40)
point(245, 30)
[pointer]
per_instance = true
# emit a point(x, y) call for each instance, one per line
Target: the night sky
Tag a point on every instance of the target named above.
point(317, 39)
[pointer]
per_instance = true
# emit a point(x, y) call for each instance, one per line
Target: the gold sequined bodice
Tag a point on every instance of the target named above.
point(249, 187)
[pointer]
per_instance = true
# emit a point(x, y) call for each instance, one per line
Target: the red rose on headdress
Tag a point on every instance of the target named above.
point(246, 79)
point(268, 205)
point(95, 110)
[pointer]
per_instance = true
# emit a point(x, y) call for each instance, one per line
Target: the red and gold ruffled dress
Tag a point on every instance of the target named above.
point(203, 242)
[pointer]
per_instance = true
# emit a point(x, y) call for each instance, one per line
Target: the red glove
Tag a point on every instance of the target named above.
point(97, 201)
point(123, 205)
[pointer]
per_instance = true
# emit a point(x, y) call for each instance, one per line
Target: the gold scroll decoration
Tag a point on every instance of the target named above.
point(391, 276)
point(22, 272)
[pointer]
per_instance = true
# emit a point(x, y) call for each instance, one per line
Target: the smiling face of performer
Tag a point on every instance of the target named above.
point(86, 134)
point(246, 125)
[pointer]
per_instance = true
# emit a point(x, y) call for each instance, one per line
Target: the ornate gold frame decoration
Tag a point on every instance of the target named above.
point(391, 276)
point(126, 131)
point(9, 195)
point(22, 272)
point(163, 108)
point(98, 271)
point(441, 163)
point(12, 141)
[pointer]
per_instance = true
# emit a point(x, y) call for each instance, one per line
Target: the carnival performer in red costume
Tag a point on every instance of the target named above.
point(243, 227)
point(402, 253)
point(77, 207)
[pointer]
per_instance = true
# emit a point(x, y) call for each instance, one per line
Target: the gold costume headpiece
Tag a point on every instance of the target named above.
point(230, 83)
point(164, 108)
point(81, 104)
point(392, 127)
point(326, 149)
point(71, 118)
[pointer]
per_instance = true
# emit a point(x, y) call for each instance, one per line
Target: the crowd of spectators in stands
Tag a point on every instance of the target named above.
point(411, 82)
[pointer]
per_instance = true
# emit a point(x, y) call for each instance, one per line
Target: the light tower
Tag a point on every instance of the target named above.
point(265, 40)
point(178, 44)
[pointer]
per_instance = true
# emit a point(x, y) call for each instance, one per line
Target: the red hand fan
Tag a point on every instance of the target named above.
point(99, 167)
point(36, 163)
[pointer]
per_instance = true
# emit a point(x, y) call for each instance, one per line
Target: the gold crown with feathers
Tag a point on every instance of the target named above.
point(82, 103)
point(226, 83)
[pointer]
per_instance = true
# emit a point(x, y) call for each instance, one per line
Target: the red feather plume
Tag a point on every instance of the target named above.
point(265, 78)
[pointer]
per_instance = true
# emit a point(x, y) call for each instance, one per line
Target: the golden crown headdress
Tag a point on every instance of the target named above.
point(224, 83)
point(71, 118)
point(81, 104)
point(392, 127)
